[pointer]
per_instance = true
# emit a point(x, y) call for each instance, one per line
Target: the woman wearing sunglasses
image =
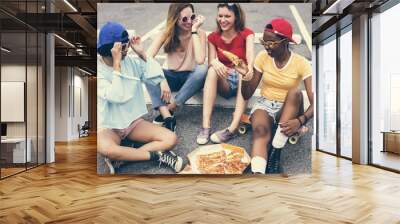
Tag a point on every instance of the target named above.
point(234, 37)
point(184, 69)
point(281, 103)
point(121, 102)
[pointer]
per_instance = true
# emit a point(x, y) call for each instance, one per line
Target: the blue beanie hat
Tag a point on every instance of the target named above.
point(112, 32)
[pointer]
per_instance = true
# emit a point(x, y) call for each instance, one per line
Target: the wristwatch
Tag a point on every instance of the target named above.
point(194, 32)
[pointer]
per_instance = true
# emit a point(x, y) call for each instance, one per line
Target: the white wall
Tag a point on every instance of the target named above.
point(61, 103)
point(14, 72)
point(33, 127)
point(314, 85)
point(70, 84)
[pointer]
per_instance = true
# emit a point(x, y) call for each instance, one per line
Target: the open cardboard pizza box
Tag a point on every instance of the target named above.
point(217, 159)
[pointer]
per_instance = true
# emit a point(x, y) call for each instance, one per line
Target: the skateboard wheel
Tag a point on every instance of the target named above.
point(242, 130)
point(293, 139)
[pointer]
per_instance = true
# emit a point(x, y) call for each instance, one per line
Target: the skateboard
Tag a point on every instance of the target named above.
point(245, 124)
point(294, 138)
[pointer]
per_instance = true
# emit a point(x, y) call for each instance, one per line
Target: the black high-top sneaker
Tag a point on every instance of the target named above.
point(170, 123)
point(159, 120)
point(274, 160)
point(170, 159)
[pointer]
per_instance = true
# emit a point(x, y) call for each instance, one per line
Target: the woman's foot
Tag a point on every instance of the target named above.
point(112, 165)
point(170, 159)
point(204, 136)
point(159, 120)
point(170, 123)
point(222, 136)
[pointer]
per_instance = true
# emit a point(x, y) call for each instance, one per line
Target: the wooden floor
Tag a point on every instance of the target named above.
point(70, 191)
point(387, 159)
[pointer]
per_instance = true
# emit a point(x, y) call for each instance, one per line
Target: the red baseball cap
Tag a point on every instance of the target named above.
point(281, 27)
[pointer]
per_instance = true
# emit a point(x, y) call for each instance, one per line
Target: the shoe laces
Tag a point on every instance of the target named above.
point(168, 158)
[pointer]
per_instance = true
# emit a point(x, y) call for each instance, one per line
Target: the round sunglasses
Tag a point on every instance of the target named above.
point(270, 43)
point(185, 19)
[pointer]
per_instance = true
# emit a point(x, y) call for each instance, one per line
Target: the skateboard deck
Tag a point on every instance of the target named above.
point(245, 124)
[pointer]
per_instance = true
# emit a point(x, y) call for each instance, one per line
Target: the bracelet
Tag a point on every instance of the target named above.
point(301, 124)
point(194, 32)
point(305, 118)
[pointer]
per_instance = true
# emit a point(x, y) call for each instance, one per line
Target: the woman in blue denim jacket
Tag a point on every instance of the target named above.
point(121, 101)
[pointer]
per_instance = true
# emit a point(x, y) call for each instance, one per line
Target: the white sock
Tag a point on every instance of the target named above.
point(258, 164)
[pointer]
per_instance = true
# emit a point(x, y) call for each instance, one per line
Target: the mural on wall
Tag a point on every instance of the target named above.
point(204, 88)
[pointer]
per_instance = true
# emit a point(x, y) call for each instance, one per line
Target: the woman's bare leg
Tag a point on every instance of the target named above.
point(293, 106)
point(261, 124)
point(165, 112)
point(240, 107)
point(108, 144)
point(212, 84)
point(156, 137)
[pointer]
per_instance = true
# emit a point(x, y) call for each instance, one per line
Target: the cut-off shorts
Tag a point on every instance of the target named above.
point(272, 107)
point(233, 80)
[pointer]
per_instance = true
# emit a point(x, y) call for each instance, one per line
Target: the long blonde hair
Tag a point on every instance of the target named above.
point(172, 41)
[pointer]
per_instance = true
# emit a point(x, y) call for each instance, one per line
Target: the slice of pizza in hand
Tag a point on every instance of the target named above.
point(231, 56)
point(239, 64)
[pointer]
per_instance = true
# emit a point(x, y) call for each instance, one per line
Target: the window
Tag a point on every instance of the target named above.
point(385, 88)
point(346, 92)
point(327, 96)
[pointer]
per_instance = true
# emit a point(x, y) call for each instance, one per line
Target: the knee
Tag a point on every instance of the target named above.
point(200, 73)
point(108, 151)
point(261, 131)
point(170, 140)
point(201, 69)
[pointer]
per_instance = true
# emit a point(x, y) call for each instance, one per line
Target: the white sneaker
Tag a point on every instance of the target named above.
point(258, 165)
point(280, 139)
point(109, 165)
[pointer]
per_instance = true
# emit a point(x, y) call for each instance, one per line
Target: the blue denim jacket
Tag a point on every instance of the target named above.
point(120, 97)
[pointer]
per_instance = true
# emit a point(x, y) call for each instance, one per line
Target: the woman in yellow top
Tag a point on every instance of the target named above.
point(280, 72)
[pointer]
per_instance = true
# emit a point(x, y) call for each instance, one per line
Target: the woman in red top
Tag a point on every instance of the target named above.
point(232, 36)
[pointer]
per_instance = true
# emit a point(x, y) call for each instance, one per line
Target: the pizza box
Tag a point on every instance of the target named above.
point(217, 159)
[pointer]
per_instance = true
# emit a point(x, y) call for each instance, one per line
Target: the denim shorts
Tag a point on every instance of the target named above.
point(272, 107)
point(233, 80)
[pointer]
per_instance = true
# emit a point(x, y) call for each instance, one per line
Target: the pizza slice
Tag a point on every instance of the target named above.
point(239, 64)
point(212, 163)
point(234, 161)
point(232, 57)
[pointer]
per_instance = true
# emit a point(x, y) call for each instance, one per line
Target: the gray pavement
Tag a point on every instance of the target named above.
point(294, 158)
point(143, 17)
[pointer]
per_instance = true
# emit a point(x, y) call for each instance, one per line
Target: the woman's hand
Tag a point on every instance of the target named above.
point(165, 91)
point(249, 75)
point(116, 55)
point(220, 68)
point(137, 47)
point(116, 51)
point(290, 127)
point(197, 23)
